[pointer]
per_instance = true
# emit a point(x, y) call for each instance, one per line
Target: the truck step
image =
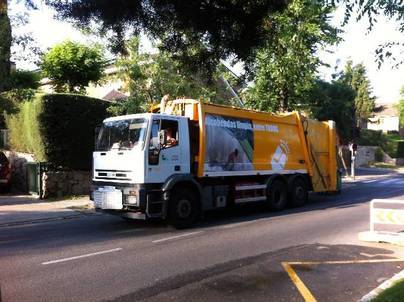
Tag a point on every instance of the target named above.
point(250, 187)
point(250, 199)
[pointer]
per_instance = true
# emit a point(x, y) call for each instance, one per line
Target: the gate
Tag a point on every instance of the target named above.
point(34, 177)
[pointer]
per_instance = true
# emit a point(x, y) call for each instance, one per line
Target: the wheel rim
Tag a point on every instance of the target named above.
point(300, 193)
point(184, 208)
point(278, 196)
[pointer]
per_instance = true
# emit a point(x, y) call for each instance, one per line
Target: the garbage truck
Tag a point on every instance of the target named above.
point(186, 157)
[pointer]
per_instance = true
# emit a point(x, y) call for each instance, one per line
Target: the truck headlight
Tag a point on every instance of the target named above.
point(131, 199)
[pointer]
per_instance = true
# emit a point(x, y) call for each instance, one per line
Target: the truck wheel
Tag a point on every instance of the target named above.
point(277, 195)
point(183, 209)
point(298, 192)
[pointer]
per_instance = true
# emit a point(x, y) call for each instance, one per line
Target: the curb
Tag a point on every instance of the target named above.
point(77, 214)
point(39, 220)
point(388, 237)
point(385, 285)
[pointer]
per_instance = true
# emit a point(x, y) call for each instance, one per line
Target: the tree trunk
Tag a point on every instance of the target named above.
point(5, 45)
point(284, 104)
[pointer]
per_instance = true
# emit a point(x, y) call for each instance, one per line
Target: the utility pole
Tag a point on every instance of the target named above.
point(353, 147)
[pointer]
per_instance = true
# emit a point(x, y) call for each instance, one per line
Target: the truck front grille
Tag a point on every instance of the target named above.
point(112, 174)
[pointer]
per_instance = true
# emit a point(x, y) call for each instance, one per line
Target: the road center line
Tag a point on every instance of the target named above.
point(81, 256)
point(176, 237)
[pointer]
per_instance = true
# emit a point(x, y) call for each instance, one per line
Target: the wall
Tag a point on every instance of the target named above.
point(365, 155)
point(62, 183)
point(55, 184)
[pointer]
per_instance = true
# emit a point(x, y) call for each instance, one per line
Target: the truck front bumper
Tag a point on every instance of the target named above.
point(136, 201)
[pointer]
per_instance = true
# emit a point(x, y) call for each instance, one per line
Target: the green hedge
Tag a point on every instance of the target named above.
point(390, 143)
point(10, 100)
point(400, 149)
point(372, 138)
point(58, 129)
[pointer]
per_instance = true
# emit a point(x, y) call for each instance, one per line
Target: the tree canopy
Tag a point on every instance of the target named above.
point(148, 77)
point(334, 101)
point(201, 32)
point(286, 66)
point(365, 103)
point(197, 31)
point(71, 66)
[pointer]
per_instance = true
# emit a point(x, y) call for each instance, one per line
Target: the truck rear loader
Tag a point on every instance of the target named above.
point(186, 157)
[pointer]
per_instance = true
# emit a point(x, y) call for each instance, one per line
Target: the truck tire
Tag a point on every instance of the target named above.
point(183, 209)
point(298, 192)
point(277, 195)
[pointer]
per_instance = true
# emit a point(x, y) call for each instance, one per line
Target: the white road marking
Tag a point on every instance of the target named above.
point(81, 256)
point(369, 181)
point(388, 181)
point(176, 237)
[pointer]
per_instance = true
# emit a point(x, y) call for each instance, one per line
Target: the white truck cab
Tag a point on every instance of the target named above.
point(135, 156)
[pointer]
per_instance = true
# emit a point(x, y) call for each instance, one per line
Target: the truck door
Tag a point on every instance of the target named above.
point(165, 159)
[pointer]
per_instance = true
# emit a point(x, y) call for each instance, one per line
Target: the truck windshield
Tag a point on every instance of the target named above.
point(122, 135)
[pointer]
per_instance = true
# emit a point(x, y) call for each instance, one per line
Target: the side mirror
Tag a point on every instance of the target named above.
point(162, 137)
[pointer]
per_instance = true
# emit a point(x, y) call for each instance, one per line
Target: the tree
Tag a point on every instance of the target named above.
point(5, 45)
point(199, 32)
point(401, 112)
point(286, 66)
point(148, 77)
point(370, 10)
point(24, 79)
point(24, 47)
point(364, 103)
point(334, 101)
point(71, 66)
point(23, 42)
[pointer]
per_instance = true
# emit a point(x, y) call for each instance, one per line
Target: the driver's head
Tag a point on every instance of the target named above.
point(169, 132)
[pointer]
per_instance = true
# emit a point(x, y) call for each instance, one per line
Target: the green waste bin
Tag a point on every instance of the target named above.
point(34, 177)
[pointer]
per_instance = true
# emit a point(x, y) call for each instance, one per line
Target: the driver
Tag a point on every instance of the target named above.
point(171, 141)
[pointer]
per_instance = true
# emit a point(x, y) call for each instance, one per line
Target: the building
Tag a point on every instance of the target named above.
point(386, 120)
point(111, 88)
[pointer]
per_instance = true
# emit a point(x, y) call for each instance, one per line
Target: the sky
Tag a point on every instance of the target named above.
point(358, 45)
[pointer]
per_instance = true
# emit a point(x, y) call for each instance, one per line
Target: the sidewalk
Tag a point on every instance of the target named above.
point(366, 173)
point(22, 209)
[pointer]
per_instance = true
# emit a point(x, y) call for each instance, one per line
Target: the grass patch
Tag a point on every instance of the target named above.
point(392, 294)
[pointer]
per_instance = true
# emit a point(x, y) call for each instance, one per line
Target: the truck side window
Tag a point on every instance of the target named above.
point(171, 129)
point(154, 144)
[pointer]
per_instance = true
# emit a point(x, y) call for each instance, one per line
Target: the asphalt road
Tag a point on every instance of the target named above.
point(101, 257)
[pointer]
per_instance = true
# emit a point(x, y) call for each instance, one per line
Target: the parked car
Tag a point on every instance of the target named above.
point(5, 173)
